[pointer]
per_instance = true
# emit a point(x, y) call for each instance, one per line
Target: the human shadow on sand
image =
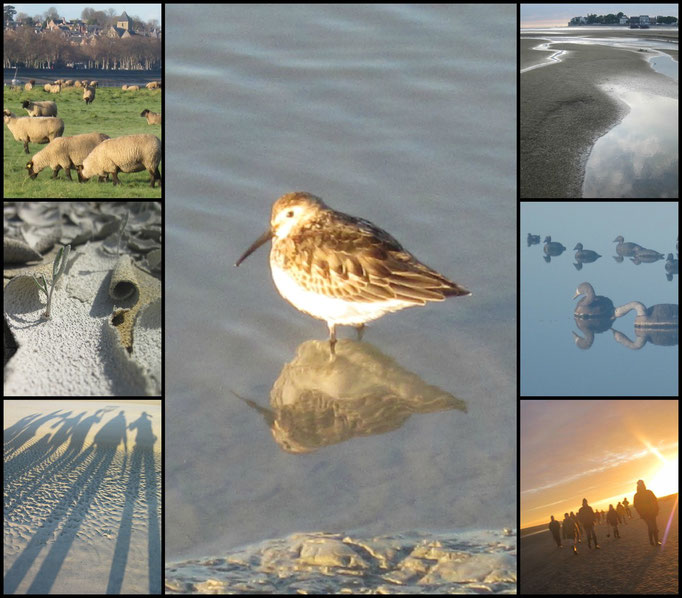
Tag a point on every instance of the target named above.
point(85, 471)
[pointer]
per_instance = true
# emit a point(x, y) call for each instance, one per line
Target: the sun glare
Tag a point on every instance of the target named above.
point(665, 479)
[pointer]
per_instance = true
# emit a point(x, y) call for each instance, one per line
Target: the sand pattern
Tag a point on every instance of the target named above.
point(327, 563)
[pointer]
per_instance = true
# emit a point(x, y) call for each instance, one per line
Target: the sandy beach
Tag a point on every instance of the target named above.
point(563, 111)
point(82, 496)
point(629, 565)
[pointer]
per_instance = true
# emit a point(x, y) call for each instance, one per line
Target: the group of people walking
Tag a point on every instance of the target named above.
point(576, 527)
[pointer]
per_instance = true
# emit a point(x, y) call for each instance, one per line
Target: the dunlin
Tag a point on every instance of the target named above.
point(341, 269)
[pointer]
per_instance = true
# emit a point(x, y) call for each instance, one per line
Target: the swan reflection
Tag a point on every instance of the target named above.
point(316, 402)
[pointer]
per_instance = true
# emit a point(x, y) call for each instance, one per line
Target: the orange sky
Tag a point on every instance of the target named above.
point(594, 449)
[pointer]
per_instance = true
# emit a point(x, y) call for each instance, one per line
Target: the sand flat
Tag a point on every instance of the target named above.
point(563, 111)
point(629, 565)
point(82, 502)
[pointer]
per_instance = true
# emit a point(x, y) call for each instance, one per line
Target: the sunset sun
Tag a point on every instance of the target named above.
point(664, 480)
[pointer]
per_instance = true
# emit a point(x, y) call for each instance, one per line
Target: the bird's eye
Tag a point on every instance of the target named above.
point(290, 214)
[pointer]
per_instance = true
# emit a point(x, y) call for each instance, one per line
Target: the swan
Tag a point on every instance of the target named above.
point(660, 315)
point(591, 305)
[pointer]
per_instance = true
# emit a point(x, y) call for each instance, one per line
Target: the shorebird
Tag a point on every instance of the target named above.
point(342, 269)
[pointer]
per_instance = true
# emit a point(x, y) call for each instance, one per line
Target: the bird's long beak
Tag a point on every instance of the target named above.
point(577, 294)
point(264, 238)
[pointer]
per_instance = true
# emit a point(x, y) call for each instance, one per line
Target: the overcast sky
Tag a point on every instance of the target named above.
point(594, 449)
point(73, 11)
point(558, 15)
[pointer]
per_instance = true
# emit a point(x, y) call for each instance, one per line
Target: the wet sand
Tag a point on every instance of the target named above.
point(629, 565)
point(563, 112)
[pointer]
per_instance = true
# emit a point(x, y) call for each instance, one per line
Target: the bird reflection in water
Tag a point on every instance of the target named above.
point(316, 402)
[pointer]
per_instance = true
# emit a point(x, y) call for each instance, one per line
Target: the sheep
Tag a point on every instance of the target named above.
point(64, 152)
point(152, 117)
point(124, 86)
point(153, 85)
point(133, 88)
point(39, 129)
point(129, 153)
point(77, 83)
point(40, 108)
point(89, 95)
point(68, 83)
point(56, 88)
point(93, 83)
point(29, 85)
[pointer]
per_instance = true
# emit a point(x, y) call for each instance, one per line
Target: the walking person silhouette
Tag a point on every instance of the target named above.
point(646, 504)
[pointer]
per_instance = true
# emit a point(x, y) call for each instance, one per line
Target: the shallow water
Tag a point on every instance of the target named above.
point(406, 116)
point(639, 156)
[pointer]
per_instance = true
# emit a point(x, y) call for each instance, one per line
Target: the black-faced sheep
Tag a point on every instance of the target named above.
point(40, 108)
point(129, 153)
point(29, 85)
point(38, 129)
point(152, 117)
point(64, 152)
point(89, 95)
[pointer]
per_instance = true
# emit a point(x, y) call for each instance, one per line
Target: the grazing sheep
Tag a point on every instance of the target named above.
point(129, 153)
point(68, 83)
point(40, 108)
point(132, 88)
point(152, 117)
point(124, 86)
point(89, 95)
point(29, 85)
point(93, 83)
point(153, 85)
point(77, 84)
point(38, 129)
point(56, 88)
point(64, 152)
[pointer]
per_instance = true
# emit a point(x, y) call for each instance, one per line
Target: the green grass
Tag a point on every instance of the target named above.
point(114, 112)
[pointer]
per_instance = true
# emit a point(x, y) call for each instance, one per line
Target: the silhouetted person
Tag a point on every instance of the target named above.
point(555, 528)
point(576, 523)
point(572, 530)
point(566, 525)
point(646, 504)
point(586, 518)
point(626, 504)
point(612, 520)
point(620, 511)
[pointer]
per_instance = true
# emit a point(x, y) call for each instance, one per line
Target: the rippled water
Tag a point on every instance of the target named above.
point(406, 116)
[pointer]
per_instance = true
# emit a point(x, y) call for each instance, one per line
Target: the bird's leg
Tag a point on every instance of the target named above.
point(360, 330)
point(332, 338)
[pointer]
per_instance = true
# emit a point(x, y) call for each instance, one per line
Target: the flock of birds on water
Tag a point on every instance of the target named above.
point(599, 307)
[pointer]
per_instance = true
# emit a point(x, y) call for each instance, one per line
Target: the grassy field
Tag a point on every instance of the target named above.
point(114, 112)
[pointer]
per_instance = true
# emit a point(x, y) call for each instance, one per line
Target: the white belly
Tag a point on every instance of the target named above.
point(333, 311)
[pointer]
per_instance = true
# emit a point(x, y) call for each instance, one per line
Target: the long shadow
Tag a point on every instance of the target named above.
point(100, 456)
point(69, 430)
point(141, 468)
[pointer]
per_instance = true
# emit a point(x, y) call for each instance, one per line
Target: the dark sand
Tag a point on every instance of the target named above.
point(563, 112)
point(629, 565)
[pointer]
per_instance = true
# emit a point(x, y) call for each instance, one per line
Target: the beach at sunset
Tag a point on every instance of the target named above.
point(628, 565)
point(600, 469)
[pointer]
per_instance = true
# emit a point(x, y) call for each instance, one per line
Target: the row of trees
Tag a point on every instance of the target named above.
point(24, 47)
